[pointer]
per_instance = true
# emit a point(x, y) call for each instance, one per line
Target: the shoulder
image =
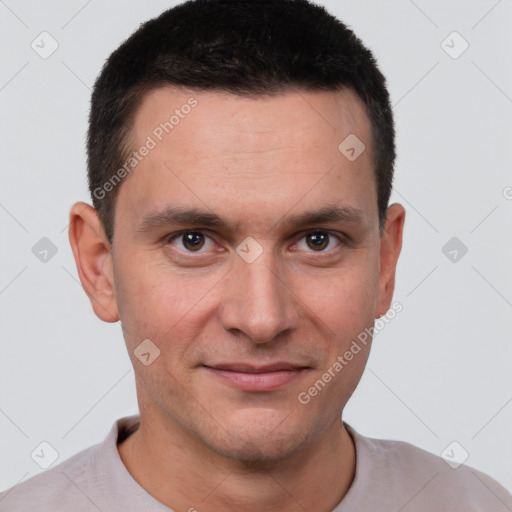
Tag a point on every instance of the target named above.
point(94, 479)
point(418, 480)
point(63, 487)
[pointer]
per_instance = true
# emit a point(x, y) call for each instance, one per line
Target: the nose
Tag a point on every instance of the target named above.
point(257, 302)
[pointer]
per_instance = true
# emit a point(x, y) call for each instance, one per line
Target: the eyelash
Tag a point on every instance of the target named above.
point(341, 239)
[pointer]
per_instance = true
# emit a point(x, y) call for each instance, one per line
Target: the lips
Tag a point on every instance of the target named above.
point(247, 377)
point(247, 368)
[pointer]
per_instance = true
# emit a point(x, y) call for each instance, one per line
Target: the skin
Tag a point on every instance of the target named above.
point(255, 162)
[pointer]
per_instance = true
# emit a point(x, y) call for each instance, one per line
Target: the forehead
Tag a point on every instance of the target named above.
point(263, 152)
point(262, 120)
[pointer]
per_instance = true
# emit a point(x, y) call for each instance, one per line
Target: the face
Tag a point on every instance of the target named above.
point(247, 249)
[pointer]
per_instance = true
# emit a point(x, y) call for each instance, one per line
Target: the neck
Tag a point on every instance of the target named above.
point(183, 475)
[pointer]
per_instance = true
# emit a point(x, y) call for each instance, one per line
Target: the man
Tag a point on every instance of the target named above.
point(240, 164)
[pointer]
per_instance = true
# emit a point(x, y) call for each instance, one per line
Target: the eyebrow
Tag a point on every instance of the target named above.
point(327, 214)
point(177, 215)
point(197, 217)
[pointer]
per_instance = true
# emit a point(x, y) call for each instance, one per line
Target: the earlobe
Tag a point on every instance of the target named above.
point(93, 260)
point(390, 247)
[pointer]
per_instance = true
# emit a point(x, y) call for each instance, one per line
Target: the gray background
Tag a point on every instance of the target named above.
point(439, 372)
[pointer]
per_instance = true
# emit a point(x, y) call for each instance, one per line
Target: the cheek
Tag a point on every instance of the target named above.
point(147, 301)
point(344, 309)
point(344, 300)
point(157, 303)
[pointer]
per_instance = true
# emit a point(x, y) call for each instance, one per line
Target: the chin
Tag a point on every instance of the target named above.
point(261, 441)
point(253, 448)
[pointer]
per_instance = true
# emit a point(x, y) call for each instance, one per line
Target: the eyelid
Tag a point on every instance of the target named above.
point(168, 239)
point(181, 232)
point(341, 238)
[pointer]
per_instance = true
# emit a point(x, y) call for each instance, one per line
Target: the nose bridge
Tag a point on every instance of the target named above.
point(257, 302)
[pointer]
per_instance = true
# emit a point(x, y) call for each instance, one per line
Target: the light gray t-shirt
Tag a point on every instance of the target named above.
point(390, 476)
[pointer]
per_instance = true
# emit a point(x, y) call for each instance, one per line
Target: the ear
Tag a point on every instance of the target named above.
point(93, 260)
point(390, 246)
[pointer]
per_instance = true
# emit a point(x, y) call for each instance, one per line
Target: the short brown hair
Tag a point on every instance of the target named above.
point(244, 47)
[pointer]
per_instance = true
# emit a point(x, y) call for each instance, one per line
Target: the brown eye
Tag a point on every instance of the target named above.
point(191, 241)
point(318, 241)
